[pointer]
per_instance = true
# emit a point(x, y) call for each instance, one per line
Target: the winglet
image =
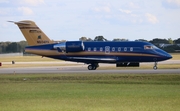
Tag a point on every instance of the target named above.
point(21, 22)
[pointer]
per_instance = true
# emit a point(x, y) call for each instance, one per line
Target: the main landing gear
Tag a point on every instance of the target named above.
point(155, 66)
point(93, 66)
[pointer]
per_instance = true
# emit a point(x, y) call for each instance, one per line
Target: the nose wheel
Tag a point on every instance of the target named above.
point(155, 66)
point(93, 66)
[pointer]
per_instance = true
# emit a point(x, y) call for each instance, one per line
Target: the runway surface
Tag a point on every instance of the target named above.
point(71, 67)
point(77, 70)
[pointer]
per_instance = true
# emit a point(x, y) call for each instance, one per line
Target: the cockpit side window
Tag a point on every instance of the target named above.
point(146, 47)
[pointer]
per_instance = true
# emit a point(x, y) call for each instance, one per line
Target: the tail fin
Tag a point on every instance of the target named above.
point(33, 34)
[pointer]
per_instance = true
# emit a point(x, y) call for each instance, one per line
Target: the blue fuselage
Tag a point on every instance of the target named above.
point(101, 52)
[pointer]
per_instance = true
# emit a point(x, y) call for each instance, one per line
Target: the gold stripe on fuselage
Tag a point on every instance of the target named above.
point(84, 53)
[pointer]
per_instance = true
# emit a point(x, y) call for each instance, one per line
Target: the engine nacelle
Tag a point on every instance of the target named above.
point(70, 46)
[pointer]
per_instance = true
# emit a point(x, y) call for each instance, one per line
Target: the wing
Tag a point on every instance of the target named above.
point(93, 59)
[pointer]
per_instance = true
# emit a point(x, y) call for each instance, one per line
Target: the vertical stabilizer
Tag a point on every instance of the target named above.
point(33, 34)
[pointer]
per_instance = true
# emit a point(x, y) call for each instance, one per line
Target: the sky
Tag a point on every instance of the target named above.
point(72, 19)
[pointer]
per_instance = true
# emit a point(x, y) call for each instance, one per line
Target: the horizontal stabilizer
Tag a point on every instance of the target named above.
point(21, 22)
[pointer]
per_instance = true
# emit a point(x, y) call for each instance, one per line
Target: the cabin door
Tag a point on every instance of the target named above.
point(107, 49)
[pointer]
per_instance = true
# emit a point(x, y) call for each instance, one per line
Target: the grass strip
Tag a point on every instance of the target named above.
point(90, 92)
point(94, 78)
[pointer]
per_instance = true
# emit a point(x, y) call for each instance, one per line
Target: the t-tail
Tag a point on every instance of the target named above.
point(32, 33)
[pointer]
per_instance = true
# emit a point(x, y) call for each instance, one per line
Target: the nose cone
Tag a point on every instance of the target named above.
point(168, 56)
point(164, 55)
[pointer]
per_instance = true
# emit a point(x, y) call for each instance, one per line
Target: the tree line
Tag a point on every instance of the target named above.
point(168, 45)
point(12, 47)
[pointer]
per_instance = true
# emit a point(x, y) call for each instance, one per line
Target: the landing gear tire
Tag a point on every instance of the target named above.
point(92, 67)
point(155, 66)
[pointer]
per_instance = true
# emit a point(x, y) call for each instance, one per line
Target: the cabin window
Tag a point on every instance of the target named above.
point(107, 49)
point(125, 48)
point(131, 49)
point(146, 47)
point(94, 48)
point(119, 49)
point(89, 49)
point(101, 49)
point(113, 49)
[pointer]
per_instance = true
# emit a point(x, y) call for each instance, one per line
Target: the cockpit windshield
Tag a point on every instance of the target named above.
point(147, 47)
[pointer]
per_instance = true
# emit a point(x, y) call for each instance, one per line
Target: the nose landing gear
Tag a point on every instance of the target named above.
point(155, 66)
